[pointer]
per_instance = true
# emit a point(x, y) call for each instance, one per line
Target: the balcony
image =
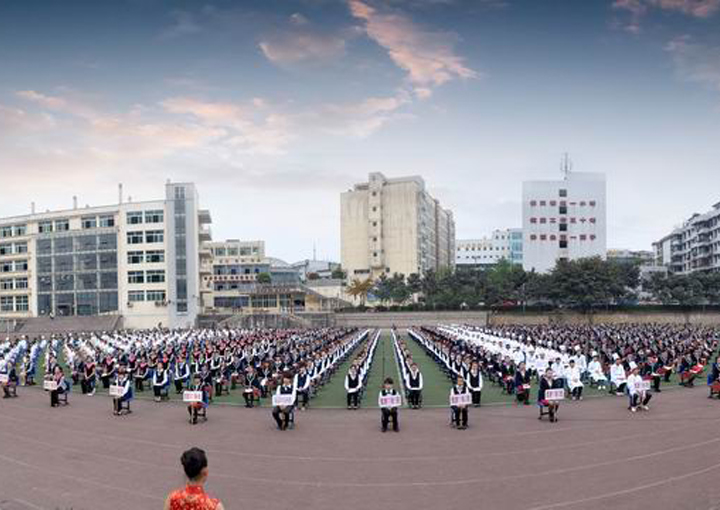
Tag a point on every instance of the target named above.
point(205, 234)
point(204, 217)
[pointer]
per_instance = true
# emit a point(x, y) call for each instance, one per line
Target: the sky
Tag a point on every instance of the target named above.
point(274, 107)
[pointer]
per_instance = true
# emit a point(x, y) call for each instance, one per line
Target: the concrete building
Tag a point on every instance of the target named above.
point(638, 257)
point(484, 252)
point(135, 259)
point(319, 269)
point(563, 219)
point(394, 226)
point(692, 247)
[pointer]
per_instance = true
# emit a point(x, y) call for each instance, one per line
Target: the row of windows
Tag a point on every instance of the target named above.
point(562, 203)
point(152, 276)
point(233, 270)
point(553, 237)
point(13, 283)
point(81, 303)
point(482, 248)
point(149, 236)
point(244, 251)
point(14, 304)
point(138, 296)
point(79, 243)
point(13, 231)
point(137, 217)
point(149, 257)
point(86, 222)
point(80, 281)
point(16, 266)
point(572, 220)
point(13, 249)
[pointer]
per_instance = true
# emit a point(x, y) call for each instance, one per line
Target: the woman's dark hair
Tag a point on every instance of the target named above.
point(389, 380)
point(193, 461)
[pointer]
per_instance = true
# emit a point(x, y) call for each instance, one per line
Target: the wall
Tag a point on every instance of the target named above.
point(405, 319)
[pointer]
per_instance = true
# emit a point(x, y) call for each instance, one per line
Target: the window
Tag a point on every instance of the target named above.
point(533, 220)
point(154, 236)
point(157, 276)
point(533, 203)
point(21, 265)
point(20, 230)
point(553, 203)
point(154, 216)
point(44, 227)
point(6, 304)
point(592, 237)
point(6, 284)
point(563, 193)
point(134, 218)
point(106, 221)
point(154, 256)
point(543, 220)
point(136, 296)
point(582, 204)
point(21, 248)
point(89, 222)
point(134, 237)
point(543, 203)
point(563, 209)
point(563, 227)
point(592, 220)
point(583, 237)
point(63, 245)
point(156, 295)
point(21, 283)
point(62, 225)
point(109, 281)
point(136, 277)
point(21, 303)
point(135, 257)
point(5, 249)
point(64, 282)
point(87, 281)
point(592, 203)
point(543, 237)
point(107, 242)
point(44, 265)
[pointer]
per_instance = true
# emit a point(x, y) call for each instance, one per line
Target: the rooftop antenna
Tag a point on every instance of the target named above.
point(314, 252)
point(566, 165)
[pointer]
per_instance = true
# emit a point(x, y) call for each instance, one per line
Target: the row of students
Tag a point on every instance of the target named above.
point(358, 372)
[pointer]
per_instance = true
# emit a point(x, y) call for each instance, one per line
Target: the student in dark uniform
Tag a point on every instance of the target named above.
point(302, 386)
point(194, 407)
point(160, 382)
point(388, 413)
point(548, 383)
point(353, 386)
point(282, 414)
point(122, 380)
point(414, 385)
point(522, 384)
point(10, 386)
point(181, 374)
point(475, 383)
point(62, 386)
point(89, 379)
point(460, 412)
point(251, 392)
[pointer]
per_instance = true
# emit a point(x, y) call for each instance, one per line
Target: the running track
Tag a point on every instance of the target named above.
point(597, 456)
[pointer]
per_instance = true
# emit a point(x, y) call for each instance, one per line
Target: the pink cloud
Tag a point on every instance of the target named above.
point(639, 8)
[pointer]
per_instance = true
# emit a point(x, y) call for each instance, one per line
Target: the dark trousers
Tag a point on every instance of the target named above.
point(158, 390)
point(387, 415)
point(282, 416)
point(476, 397)
point(55, 397)
point(87, 385)
point(460, 416)
point(353, 399)
point(249, 397)
point(577, 392)
point(179, 383)
point(414, 397)
point(656, 383)
point(304, 397)
point(139, 384)
point(636, 401)
point(106, 381)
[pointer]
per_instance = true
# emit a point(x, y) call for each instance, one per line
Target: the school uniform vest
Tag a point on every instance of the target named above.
point(414, 380)
point(353, 382)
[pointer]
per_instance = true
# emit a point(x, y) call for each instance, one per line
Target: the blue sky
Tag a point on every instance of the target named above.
point(274, 107)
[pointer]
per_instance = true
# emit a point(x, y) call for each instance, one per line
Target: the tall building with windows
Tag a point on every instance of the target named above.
point(563, 219)
point(488, 251)
point(394, 226)
point(692, 247)
point(136, 259)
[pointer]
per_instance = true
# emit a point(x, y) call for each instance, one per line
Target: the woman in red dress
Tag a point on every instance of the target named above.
point(193, 496)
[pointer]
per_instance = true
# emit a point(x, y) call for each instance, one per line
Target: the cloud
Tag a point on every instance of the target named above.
point(696, 62)
point(638, 9)
point(362, 119)
point(299, 42)
point(183, 23)
point(428, 56)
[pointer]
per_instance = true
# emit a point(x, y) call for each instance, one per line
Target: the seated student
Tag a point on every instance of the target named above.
point(574, 380)
point(618, 378)
point(160, 382)
point(286, 388)
point(29, 369)
point(252, 391)
point(637, 397)
point(193, 496)
point(89, 377)
point(655, 370)
point(353, 387)
point(388, 413)
point(597, 375)
point(62, 386)
point(688, 371)
point(181, 375)
point(460, 412)
point(522, 384)
point(141, 375)
point(10, 387)
point(302, 386)
point(475, 383)
point(548, 383)
point(194, 407)
point(714, 379)
point(414, 385)
point(122, 380)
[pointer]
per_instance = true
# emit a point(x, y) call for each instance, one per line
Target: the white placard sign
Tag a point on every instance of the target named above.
point(117, 391)
point(283, 400)
point(4, 378)
point(50, 385)
point(192, 396)
point(390, 401)
point(554, 395)
point(642, 386)
point(464, 399)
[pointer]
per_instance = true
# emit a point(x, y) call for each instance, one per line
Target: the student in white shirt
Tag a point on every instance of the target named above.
point(574, 380)
point(618, 379)
point(638, 397)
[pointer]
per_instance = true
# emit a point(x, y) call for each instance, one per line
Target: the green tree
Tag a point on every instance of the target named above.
point(264, 278)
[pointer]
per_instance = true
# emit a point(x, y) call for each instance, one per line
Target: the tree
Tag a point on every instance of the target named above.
point(313, 276)
point(264, 278)
point(338, 273)
point(383, 289)
point(360, 289)
point(399, 291)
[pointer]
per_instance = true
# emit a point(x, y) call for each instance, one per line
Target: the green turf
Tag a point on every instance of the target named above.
point(383, 365)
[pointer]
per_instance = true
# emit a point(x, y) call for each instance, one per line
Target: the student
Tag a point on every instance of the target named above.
point(637, 397)
point(714, 379)
point(574, 380)
point(302, 386)
point(160, 382)
point(460, 412)
point(89, 379)
point(122, 380)
point(193, 496)
point(181, 375)
point(282, 414)
point(388, 413)
point(548, 383)
point(251, 392)
point(414, 385)
point(522, 385)
point(62, 386)
point(618, 378)
point(195, 407)
point(475, 383)
point(10, 387)
point(141, 375)
point(353, 387)
point(597, 376)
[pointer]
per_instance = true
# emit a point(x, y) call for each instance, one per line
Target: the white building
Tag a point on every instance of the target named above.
point(394, 226)
point(136, 259)
point(484, 252)
point(563, 219)
point(692, 247)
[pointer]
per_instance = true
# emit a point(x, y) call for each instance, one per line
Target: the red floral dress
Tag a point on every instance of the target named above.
point(192, 497)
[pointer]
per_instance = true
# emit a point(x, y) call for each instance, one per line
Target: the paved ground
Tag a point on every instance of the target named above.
point(598, 456)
